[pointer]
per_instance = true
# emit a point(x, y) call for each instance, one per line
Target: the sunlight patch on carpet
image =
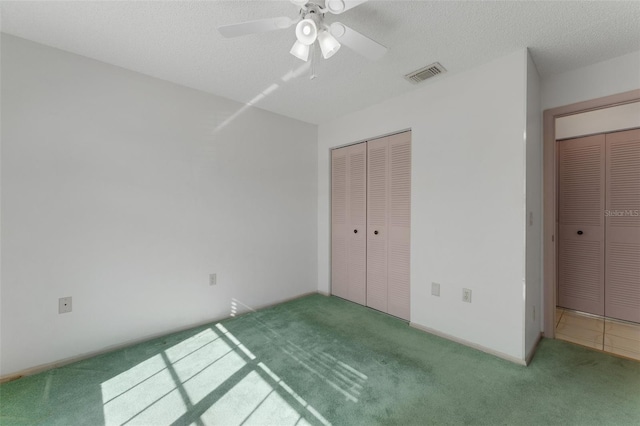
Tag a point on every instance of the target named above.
point(205, 378)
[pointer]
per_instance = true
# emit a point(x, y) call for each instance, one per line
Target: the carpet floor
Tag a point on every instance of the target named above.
point(321, 360)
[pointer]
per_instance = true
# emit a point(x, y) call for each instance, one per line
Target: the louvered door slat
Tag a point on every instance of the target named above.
point(399, 225)
point(622, 279)
point(377, 216)
point(581, 166)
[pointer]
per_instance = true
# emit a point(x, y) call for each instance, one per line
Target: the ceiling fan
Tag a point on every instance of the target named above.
point(311, 26)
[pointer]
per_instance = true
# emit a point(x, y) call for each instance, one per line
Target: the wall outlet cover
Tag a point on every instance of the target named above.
point(213, 279)
point(466, 295)
point(64, 305)
point(435, 289)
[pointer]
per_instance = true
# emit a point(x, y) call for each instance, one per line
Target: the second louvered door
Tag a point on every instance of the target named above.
point(581, 174)
point(348, 222)
point(622, 259)
point(377, 216)
point(388, 224)
point(357, 170)
point(399, 224)
point(339, 224)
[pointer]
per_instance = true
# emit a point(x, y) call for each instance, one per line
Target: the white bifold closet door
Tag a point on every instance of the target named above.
point(348, 222)
point(581, 189)
point(388, 224)
point(622, 263)
point(370, 223)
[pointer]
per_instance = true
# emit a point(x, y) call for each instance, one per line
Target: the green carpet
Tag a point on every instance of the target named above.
point(321, 360)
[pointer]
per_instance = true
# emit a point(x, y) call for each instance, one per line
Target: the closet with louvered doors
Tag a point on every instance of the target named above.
point(371, 186)
point(599, 224)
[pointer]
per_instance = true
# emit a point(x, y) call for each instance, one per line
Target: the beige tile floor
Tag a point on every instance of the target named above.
point(618, 337)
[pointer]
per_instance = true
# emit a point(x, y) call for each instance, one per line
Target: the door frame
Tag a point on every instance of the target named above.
point(550, 171)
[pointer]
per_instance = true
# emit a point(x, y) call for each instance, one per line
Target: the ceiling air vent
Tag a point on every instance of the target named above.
point(424, 73)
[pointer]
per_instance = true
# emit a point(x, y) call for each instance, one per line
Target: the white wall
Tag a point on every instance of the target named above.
point(468, 201)
point(605, 78)
point(620, 117)
point(533, 284)
point(118, 191)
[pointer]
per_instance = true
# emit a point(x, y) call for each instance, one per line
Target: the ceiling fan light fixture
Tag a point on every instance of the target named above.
point(307, 31)
point(300, 51)
point(335, 6)
point(328, 44)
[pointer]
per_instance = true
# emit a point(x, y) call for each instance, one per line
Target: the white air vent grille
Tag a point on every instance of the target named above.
point(424, 73)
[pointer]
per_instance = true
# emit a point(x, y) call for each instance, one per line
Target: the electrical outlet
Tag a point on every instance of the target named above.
point(466, 295)
point(64, 305)
point(435, 289)
point(213, 279)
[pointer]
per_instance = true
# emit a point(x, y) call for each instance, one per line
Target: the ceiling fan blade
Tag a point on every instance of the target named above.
point(254, 27)
point(357, 42)
point(340, 6)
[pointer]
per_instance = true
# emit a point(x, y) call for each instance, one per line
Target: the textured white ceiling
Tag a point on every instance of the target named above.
point(177, 41)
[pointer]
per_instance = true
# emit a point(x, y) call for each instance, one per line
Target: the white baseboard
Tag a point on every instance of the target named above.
point(66, 361)
point(469, 344)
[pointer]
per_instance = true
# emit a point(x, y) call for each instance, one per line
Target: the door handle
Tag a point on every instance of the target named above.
point(580, 232)
point(355, 231)
point(375, 232)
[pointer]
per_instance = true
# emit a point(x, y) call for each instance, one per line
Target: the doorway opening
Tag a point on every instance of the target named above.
point(560, 315)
